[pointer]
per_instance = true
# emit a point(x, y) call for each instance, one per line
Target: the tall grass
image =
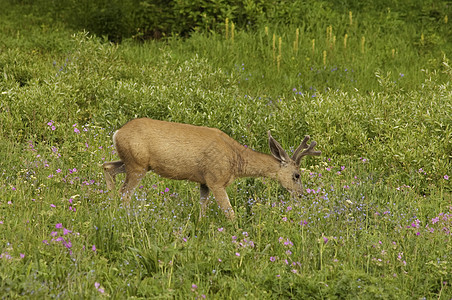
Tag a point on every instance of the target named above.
point(374, 222)
point(326, 53)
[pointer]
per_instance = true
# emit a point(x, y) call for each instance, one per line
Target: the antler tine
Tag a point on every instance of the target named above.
point(308, 151)
point(302, 146)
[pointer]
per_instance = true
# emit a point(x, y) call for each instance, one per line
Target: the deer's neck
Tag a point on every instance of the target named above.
point(256, 164)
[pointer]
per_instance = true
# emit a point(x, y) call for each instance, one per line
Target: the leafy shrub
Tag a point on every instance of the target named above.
point(157, 18)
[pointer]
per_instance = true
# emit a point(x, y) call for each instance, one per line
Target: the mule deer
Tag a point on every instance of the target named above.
point(200, 154)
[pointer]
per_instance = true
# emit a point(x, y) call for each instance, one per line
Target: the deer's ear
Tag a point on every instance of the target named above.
point(276, 150)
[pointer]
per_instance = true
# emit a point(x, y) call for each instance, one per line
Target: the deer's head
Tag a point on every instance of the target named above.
point(289, 173)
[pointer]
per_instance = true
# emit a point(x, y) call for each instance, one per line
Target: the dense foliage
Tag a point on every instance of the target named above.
point(158, 18)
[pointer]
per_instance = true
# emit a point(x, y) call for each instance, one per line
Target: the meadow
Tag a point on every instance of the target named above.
point(374, 223)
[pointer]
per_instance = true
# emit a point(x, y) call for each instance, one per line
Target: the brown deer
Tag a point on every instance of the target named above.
point(200, 154)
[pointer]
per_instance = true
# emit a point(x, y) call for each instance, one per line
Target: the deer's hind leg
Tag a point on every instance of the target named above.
point(111, 169)
point(204, 191)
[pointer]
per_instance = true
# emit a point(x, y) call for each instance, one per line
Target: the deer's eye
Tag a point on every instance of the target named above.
point(296, 176)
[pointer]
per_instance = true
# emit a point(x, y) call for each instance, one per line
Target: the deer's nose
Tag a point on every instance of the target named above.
point(296, 194)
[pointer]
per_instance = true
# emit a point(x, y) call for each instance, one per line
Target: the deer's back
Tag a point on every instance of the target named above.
point(175, 150)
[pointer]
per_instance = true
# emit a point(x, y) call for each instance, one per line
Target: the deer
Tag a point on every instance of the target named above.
point(199, 154)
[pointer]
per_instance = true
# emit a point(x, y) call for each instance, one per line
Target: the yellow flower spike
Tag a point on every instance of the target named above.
point(274, 47)
point(227, 27)
point(232, 31)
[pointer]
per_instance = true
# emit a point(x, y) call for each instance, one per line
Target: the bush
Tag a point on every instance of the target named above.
point(158, 18)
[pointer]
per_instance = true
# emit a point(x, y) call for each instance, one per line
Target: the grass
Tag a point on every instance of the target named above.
point(374, 222)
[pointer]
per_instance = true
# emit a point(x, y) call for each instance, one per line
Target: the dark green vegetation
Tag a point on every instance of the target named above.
point(372, 87)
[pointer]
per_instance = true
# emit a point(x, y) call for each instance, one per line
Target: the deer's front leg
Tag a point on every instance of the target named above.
point(133, 178)
point(223, 201)
point(111, 169)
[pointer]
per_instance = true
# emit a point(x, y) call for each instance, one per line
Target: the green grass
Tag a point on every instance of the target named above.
point(374, 222)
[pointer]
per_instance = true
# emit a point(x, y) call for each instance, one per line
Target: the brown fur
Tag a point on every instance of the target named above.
point(200, 154)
